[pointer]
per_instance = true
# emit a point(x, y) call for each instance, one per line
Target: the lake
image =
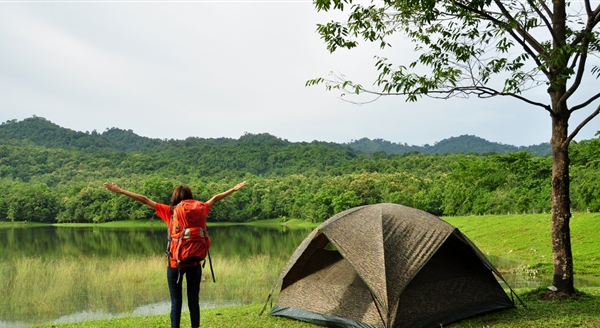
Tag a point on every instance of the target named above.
point(69, 274)
point(64, 274)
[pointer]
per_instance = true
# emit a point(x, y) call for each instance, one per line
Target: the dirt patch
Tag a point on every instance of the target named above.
point(548, 295)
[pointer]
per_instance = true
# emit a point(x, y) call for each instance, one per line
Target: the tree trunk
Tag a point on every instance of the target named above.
point(562, 256)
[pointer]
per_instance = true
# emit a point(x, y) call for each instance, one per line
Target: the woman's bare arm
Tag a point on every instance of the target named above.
point(140, 198)
point(226, 193)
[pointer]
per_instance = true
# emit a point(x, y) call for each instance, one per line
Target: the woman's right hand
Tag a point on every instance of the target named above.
point(239, 186)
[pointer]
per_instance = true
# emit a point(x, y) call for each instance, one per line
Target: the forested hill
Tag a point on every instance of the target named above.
point(36, 146)
point(462, 144)
point(41, 132)
point(52, 174)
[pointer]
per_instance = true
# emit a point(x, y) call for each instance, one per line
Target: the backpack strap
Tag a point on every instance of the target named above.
point(210, 264)
point(169, 239)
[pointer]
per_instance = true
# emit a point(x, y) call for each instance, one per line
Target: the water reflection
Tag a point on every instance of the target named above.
point(53, 242)
point(525, 281)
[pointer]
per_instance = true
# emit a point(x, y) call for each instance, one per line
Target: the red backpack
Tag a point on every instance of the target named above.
point(188, 239)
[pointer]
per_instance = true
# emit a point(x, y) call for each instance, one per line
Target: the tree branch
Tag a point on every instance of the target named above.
point(544, 18)
point(584, 104)
point(580, 71)
point(588, 7)
point(595, 14)
point(494, 93)
point(582, 124)
point(480, 91)
point(526, 36)
point(584, 38)
point(593, 20)
point(543, 5)
point(500, 23)
point(574, 63)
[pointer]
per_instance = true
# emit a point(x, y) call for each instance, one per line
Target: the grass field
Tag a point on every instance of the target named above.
point(581, 311)
point(524, 240)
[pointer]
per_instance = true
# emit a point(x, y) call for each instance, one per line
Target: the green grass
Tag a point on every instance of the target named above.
point(156, 223)
point(517, 241)
point(581, 311)
point(290, 223)
point(115, 224)
point(118, 224)
point(21, 224)
point(234, 316)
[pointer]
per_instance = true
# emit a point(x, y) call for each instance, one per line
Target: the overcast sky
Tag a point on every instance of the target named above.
point(221, 69)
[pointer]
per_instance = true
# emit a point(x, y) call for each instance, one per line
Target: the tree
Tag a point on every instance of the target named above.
point(486, 48)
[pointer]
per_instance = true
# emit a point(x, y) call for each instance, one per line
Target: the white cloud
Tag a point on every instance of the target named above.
point(214, 69)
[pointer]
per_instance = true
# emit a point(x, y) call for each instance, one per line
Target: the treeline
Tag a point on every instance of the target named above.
point(462, 144)
point(310, 181)
point(41, 132)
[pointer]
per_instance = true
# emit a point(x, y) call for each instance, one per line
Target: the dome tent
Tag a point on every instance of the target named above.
point(387, 265)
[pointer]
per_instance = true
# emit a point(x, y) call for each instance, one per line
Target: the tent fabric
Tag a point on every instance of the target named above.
point(387, 265)
point(317, 318)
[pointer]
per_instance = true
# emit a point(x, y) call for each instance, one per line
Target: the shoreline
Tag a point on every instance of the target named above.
point(157, 223)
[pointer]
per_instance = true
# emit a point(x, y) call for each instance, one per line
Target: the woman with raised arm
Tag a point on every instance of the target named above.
point(192, 271)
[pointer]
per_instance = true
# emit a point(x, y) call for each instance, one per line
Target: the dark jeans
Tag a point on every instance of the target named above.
point(193, 275)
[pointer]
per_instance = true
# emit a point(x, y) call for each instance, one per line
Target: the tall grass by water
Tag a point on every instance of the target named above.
point(44, 289)
point(246, 280)
point(37, 288)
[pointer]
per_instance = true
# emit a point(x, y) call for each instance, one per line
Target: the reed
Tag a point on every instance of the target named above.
point(40, 290)
point(246, 280)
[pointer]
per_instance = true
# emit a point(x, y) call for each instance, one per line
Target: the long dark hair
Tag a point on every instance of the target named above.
point(180, 193)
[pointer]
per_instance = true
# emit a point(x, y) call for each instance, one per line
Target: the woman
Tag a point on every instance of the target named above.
point(193, 271)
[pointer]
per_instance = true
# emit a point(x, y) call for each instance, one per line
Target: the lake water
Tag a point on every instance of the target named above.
point(92, 286)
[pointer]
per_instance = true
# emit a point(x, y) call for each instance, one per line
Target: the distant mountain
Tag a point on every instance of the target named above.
point(41, 132)
point(461, 144)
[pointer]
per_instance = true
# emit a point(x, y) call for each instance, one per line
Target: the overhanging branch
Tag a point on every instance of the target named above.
point(480, 91)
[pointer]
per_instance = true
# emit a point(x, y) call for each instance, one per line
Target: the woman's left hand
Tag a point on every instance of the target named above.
point(113, 187)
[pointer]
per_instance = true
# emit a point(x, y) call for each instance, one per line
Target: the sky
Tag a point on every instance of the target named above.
point(210, 69)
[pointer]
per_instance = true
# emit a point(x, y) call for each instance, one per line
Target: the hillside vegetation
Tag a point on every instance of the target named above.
point(461, 144)
point(53, 174)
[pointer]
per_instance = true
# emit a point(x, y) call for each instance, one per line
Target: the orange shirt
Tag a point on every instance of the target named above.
point(164, 212)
